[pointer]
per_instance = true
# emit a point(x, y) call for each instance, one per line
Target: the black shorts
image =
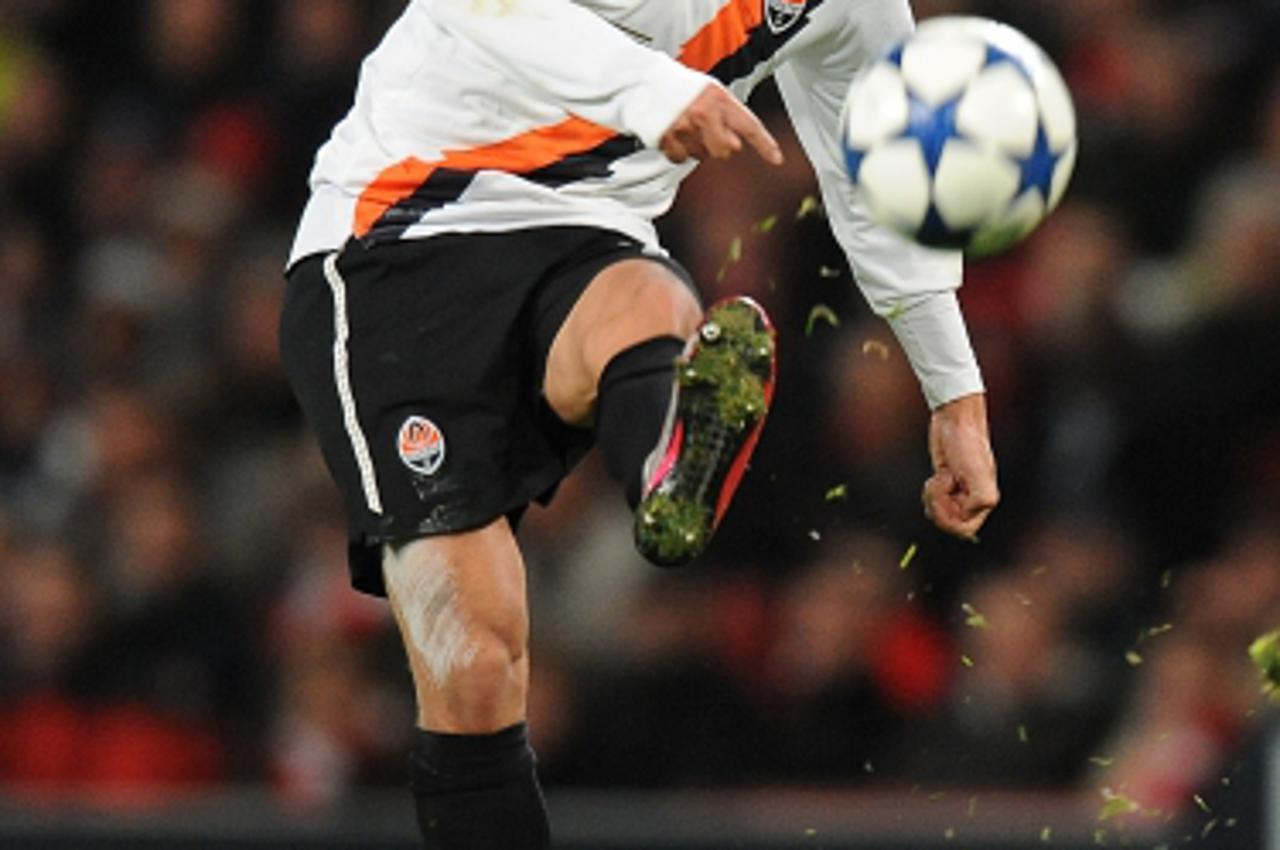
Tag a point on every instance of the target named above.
point(419, 366)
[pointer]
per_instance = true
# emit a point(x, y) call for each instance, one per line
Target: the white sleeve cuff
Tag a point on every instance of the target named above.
point(651, 107)
point(932, 332)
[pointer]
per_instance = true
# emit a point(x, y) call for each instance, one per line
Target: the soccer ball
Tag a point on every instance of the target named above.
point(962, 136)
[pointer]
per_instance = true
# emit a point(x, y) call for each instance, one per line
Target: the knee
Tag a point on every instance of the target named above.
point(637, 300)
point(465, 631)
point(486, 679)
point(673, 308)
point(629, 303)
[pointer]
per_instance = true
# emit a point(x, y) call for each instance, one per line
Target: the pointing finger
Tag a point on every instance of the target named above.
point(748, 127)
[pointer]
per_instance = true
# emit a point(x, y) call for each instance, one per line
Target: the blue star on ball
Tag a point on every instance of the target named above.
point(1037, 169)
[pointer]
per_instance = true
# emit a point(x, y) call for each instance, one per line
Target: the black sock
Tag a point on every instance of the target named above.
point(631, 408)
point(478, 792)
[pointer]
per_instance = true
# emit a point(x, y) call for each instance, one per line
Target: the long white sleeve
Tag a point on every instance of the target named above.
point(577, 59)
point(912, 287)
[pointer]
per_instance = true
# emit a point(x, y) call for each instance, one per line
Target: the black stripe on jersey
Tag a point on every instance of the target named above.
point(596, 162)
point(446, 185)
point(761, 44)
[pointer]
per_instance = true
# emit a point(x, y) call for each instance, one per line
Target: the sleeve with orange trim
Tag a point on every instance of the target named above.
point(578, 60)
point(912, 287)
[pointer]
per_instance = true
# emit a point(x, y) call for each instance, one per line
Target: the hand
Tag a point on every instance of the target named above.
point(715, 125)
point(962, 491)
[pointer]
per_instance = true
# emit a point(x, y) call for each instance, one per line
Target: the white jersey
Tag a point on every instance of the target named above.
point(494, 115)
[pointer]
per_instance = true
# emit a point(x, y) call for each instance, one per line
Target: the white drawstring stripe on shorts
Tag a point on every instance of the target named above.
point(342, 379)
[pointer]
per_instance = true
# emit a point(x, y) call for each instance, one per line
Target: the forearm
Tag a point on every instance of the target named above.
point(911, 286)
point(931, 330)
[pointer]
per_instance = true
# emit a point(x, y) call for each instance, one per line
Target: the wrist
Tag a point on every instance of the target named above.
point(966, 410)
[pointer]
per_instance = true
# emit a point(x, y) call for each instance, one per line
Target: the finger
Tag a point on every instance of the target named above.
point(947, 519)
point(977, 500)
point(673, 148)
point(939, 485)
point(934, 497)
point(949, 507)
point(695, 145)
point(955, 519)
point(746, 126)
point(719, 138)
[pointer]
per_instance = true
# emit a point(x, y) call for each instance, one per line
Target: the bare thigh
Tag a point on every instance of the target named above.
point(626, 303)
point(460, 603)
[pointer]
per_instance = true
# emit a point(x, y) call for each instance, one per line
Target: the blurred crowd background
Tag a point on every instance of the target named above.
point(175, 613)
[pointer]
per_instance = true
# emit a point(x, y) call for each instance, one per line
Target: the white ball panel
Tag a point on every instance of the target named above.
point(1062, 175)
point(876, 108)
point(895, 183)
point(1009, 40)
point(1056, 109)
point(955, 26)
point(937, 69)
point(972, 183)
point(1001, 36)
point(999, 108)
point(1003, 231)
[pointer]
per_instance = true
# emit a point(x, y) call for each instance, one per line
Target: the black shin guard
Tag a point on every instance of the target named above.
point(635, 389)
point(478, 792)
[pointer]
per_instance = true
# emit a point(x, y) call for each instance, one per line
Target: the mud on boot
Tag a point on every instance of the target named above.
point(724, 386)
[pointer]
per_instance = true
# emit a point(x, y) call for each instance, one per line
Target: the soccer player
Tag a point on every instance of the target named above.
point(476, 294)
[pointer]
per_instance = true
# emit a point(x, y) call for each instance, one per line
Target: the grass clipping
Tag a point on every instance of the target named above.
point(1265, 652)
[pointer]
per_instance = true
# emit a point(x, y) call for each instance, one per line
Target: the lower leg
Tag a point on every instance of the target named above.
point(676, 432)
point(478, 792)
point(614, 360)
point(460, 604)
point(635, 395)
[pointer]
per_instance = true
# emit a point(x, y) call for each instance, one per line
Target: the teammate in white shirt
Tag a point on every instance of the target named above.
point(477, 294)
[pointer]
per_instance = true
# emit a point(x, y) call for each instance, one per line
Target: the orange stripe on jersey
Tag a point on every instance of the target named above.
point(526, 152)
point(723, 35)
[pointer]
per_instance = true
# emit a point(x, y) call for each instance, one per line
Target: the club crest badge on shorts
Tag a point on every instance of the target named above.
point(781, 14)
point(421, 445)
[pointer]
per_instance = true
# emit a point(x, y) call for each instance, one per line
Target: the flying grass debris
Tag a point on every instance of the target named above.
point(808, 206)
point(1114, 805)
point(838, 493)
point(974, 618)
point(820, 312)
point(907, 557)
point(1265, 652)
point(876, 347)
point(732, 258)
point(765, 224)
